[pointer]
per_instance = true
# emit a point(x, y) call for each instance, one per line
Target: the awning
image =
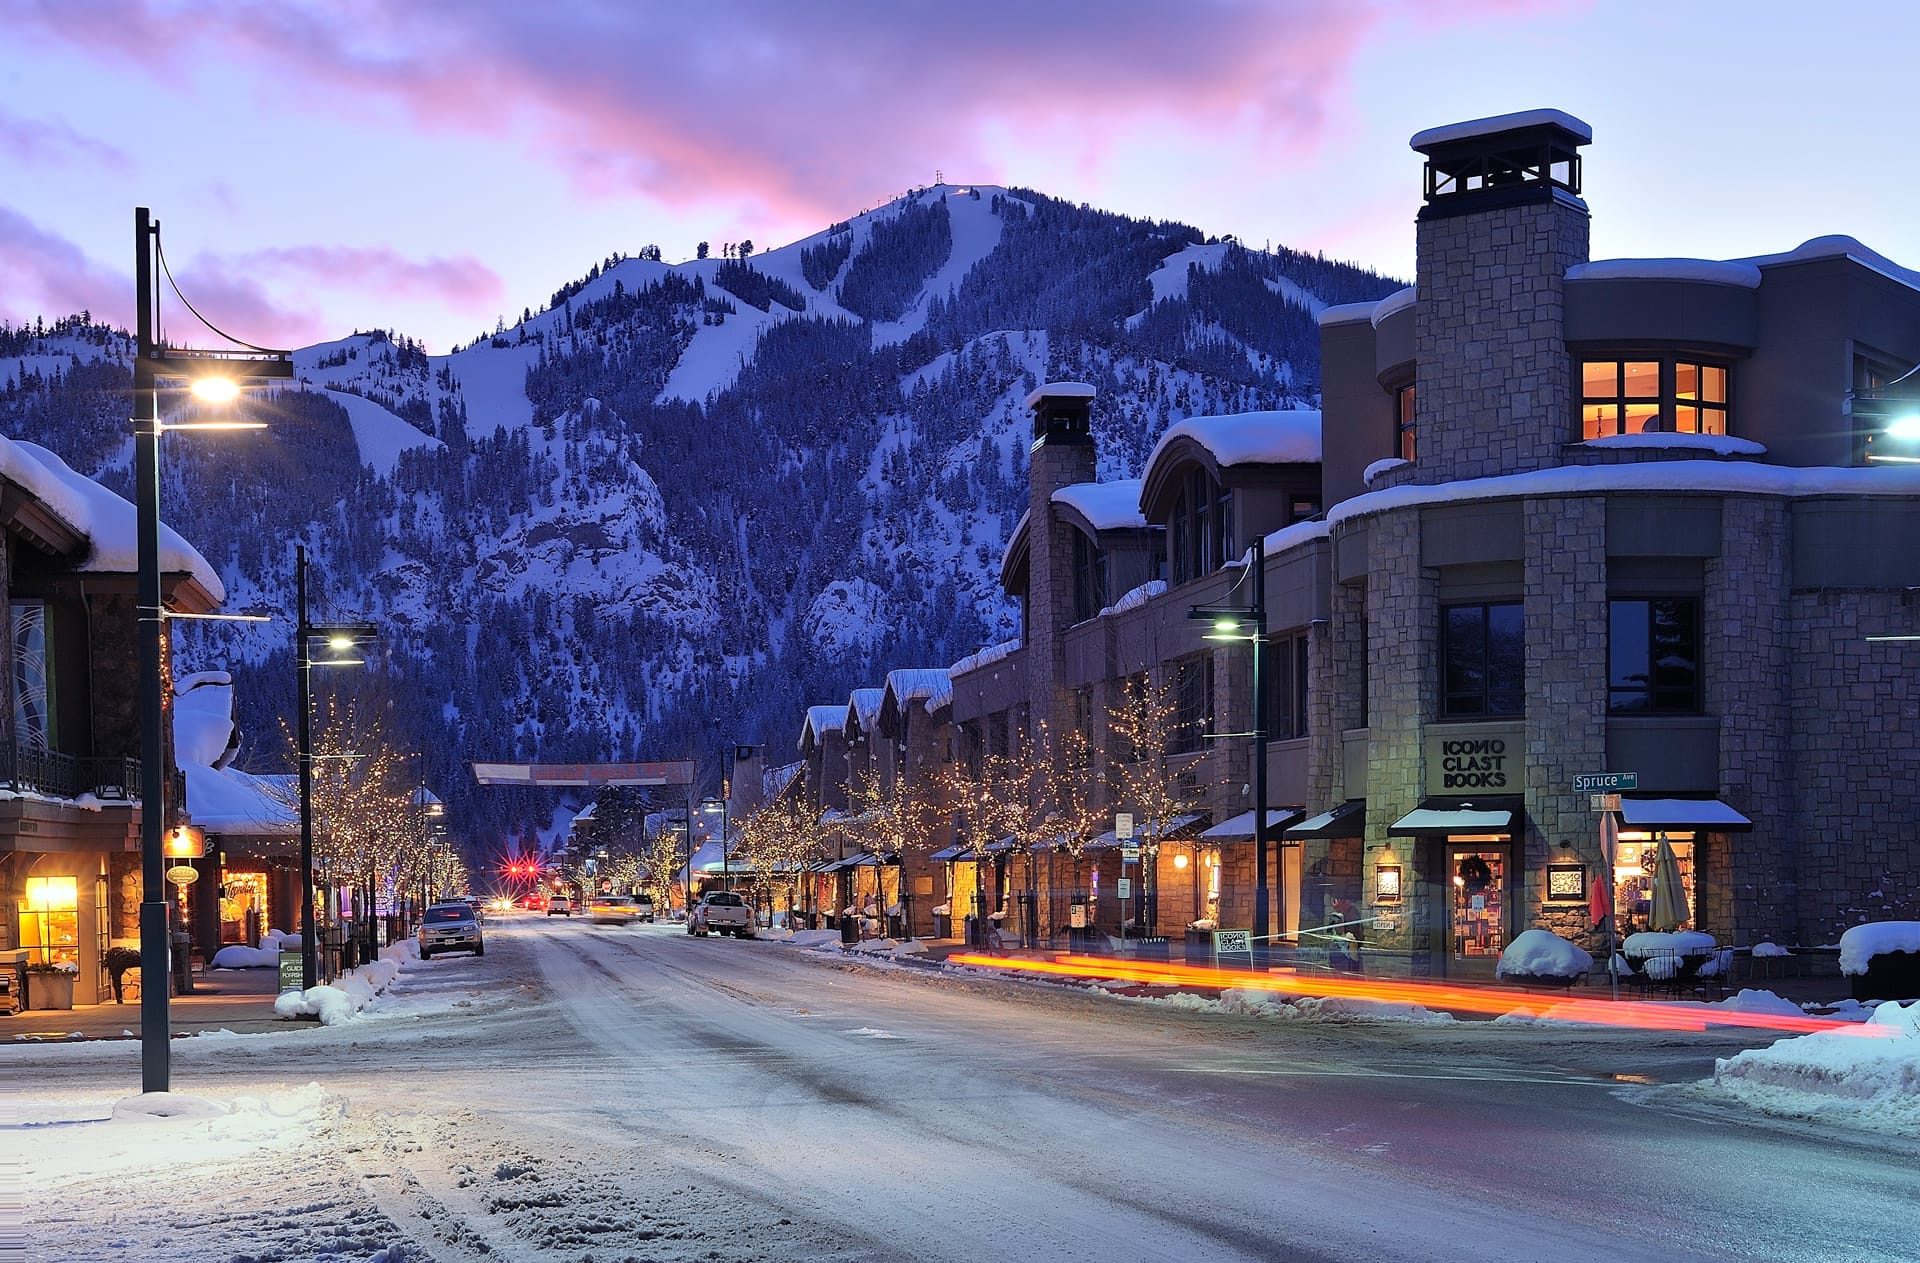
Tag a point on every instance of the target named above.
point(1452, 815)
point(1240, 827)
point(1701, 814)
point(953, 852)
point(1348, 820)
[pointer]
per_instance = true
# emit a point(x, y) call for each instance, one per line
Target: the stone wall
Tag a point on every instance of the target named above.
point(1403, 670)
point(1494, 385)
point(1566, 720)
point(1746, 652)
point(1049, 609)
point(1855, 759)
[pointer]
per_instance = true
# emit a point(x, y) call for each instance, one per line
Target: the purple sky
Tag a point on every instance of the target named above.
point(432, 165)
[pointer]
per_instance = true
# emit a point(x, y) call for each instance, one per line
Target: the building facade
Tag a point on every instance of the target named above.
point(1557, 518)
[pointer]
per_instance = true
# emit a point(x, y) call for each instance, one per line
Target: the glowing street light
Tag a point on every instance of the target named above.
point(153, 363)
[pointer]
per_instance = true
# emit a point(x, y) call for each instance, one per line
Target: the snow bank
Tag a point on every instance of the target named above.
point(1542, 954)
point(1242, 1002)
point(1862, 943)
point(337, 1002)
point(1869, 1076)
point(237, 956)
point(155, 1129)
point(813, 938)
point(888, 947)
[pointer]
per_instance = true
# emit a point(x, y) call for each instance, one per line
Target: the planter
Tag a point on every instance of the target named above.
point(50, 990)
point(1199, 948)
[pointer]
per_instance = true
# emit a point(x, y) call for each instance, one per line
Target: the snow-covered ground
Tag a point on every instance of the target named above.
point(612, 1093)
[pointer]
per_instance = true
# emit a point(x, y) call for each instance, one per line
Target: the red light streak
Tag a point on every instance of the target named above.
point(1638, 1014)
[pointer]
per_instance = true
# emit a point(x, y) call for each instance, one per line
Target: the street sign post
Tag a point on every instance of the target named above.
point(1130, 853)
point(1603, 802)
point(1123, 825)
point(1605, 782)
point(1123, 888)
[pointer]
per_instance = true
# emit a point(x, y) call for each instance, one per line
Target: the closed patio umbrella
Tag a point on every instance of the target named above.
point(1669, 909)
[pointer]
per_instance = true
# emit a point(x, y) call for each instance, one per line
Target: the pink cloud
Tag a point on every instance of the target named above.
point(43, 274)
point(457, 283)
point(39, 142)
point(805, 108)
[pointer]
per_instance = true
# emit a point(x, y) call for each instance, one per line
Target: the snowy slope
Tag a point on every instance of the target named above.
point(976, 234)
point(381, 436)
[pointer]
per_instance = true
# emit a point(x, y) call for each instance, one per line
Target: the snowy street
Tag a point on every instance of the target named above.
point(598, 1093)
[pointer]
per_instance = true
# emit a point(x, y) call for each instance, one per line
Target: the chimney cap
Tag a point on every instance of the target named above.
point(1480, 128)
point(1060, 390)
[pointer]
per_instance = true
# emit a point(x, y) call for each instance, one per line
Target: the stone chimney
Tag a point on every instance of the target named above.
point(1502, 223)
point(1061, 456)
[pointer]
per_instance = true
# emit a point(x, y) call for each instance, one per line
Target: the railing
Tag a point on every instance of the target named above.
point(68, 776)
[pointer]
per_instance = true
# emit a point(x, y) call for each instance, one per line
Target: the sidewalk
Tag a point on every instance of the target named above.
point(239, 1000)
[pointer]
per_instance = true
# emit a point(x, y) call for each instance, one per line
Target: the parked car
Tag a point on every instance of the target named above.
point(614, 909)
point(722, 912)
point(560, 906)
point(450, 927)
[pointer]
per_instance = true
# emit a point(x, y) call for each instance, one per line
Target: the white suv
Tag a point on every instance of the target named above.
point(450, 927)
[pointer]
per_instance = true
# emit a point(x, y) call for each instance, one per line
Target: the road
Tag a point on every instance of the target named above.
point(593, 1093)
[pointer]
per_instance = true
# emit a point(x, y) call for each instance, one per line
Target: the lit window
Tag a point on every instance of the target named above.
point(1652, 396)
point(1403, 403)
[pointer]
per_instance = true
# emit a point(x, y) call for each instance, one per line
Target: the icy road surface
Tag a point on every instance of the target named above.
point(606, 1094)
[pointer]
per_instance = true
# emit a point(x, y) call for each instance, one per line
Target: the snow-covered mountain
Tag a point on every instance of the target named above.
point(686, 500)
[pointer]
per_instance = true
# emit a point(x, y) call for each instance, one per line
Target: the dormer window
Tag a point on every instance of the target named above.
point(1652, 395)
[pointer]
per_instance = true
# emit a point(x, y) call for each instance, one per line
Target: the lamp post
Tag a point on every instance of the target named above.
point(340, 636)
point(1249, 622)
point(214, 376)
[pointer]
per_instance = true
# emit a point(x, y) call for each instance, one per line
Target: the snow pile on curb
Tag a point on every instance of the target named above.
point(812, 938)
point(338, 1001)
point(1870, 1075)
point(265, 956)
point(1538, 953)
point(1242, 1002)
point(154, 1129)
point(1582, 1012)
point(888, 947)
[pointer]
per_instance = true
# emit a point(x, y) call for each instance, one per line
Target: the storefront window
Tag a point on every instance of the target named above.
point(1633, 869)
point(50, 920)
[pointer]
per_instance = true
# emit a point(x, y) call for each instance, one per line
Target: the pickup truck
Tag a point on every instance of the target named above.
point(722, 912)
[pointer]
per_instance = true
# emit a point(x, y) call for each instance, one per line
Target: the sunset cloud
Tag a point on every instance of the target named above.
point(44, 274)
point(44, 142)
point(457, 283)
point(800, 108)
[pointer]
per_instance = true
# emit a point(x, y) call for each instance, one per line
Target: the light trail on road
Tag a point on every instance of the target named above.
point(1636, 1014)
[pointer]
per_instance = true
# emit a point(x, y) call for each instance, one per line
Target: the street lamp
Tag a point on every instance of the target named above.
point(340, 638)
point(1249, 622)
point(708, 806)
point(202, 369)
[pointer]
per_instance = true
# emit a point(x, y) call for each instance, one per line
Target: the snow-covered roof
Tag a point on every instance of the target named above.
point(822, 720)
point(1059, 390)
point(1346, 313)
point(1134, 598)
point(1839, 247)
point(1672, 475)
point(985, 658)
point(107, 521)
point(1250, 438)
point(1398, 301)
point(1711, 271)
point(1109, 506)
point(930, 685)
point(585, 814)
point(863, 707)
point(1500, 123)
point(223, 799)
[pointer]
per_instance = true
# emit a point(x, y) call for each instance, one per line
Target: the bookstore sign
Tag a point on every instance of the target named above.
point(1468, 759)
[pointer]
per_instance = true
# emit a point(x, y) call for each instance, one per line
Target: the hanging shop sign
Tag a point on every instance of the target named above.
point(183, 874)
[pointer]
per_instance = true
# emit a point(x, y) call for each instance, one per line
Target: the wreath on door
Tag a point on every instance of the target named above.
point(1475, 876)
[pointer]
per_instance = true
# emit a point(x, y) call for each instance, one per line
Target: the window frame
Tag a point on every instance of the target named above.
point(1193, 681)
point(1406, 421)
point(1283, 676)
point(1695, 702)
point(1452, 700)
point(1666, 399)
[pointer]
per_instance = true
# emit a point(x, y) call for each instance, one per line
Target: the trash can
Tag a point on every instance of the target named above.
point(974, 936)
point(849, 931)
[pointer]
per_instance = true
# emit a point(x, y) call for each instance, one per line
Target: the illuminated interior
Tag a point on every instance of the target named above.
point(1633, 877)
point(244, 893)
point(50, 920)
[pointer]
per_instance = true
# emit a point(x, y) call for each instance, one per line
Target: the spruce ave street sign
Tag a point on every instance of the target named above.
point(1605, 782)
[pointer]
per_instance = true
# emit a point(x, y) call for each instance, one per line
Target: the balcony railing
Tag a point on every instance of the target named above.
point(68, 776)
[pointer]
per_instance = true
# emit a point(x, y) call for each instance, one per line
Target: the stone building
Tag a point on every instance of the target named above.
point(1557, 518)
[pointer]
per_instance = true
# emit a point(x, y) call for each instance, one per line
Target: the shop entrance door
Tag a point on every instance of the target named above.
point(1478, 902)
